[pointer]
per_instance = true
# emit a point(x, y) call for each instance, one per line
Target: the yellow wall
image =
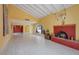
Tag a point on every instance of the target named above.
point(18, 14)
point(72, 18)
point(3, 39)
point(26, 28)
point(14, 13)
point(1, 27)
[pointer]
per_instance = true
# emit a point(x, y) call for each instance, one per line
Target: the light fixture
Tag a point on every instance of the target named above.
point(61, 15)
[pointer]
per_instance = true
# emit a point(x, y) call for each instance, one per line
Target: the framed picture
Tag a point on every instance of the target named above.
point(5, 20)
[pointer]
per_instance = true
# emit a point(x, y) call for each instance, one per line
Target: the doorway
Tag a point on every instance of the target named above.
point(39, 29)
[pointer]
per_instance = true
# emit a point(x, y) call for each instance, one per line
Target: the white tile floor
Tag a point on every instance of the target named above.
point(28, 44)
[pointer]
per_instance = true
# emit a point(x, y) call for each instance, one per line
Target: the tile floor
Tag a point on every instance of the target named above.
point(33, 44)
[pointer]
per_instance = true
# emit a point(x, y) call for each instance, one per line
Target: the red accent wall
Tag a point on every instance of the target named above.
point(17, 28)
point(69, 29)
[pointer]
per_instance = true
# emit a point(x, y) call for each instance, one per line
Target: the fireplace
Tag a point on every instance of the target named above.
point(62, 34)
point(65, 31)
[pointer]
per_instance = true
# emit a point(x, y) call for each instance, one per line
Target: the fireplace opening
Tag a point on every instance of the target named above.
point(62, 34)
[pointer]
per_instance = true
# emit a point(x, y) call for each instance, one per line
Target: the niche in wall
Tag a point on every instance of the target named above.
point(17, 29)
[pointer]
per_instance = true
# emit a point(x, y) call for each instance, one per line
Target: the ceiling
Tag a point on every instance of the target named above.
point(42, 10)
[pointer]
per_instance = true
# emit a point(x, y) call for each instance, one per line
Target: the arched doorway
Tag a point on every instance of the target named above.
point(39, 28)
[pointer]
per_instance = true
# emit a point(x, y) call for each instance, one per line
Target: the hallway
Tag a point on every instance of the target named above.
point(34, 44)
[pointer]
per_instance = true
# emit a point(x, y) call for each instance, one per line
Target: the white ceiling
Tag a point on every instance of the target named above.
point(42, 10)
